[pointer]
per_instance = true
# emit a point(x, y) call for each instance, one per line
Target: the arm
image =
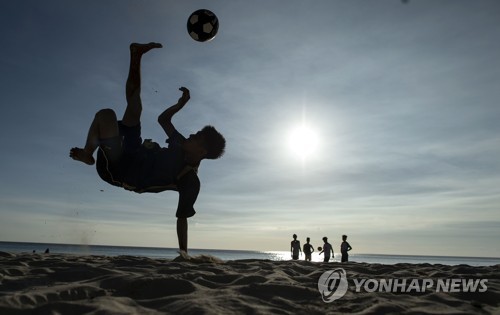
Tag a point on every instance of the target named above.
point(189, 188)
point(165, 118)
point(182, 233)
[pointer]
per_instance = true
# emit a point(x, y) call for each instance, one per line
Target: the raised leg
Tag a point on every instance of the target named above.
point(132, 115)
point(103, 126)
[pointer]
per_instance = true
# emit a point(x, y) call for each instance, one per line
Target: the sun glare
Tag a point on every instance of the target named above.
point(303, 142)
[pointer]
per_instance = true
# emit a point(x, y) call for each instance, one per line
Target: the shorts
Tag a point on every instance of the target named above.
point(117, 154)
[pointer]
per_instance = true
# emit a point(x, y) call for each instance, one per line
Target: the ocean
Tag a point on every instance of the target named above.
point(225, 255)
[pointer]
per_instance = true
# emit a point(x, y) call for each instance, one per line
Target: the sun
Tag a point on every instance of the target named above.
point(303, 142)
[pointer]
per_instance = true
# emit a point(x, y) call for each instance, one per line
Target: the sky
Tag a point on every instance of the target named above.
point(375, 119)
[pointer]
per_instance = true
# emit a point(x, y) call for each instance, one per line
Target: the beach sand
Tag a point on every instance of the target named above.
point(74, 284)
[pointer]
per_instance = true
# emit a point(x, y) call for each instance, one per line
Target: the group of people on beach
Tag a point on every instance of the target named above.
point(326, 250)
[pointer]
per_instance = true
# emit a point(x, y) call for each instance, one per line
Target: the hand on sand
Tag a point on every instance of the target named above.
point(81, 155)
point(184, 257)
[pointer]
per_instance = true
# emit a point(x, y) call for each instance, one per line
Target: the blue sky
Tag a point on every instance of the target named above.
point(402, 101)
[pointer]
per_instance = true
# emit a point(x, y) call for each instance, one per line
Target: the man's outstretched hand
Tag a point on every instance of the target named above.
point(165, 118)
point(185, 96)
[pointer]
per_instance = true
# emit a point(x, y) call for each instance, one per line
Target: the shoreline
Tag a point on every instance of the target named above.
point(229, 254)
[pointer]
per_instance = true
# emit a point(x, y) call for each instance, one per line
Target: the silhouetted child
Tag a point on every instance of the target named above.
point(123, 160)
point(327, 249)
point(295, 248)
point(308, 249)
point(344, 248)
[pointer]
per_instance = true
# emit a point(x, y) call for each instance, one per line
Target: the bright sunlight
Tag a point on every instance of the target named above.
point(303, 142)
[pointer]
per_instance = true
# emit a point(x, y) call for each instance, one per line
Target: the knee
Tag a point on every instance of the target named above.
point(106, 114)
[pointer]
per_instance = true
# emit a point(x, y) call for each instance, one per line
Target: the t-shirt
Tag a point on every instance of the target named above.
point(307, 248)
point(295, 247)
point(327, 248)
point(344, 247)
point(165, 169)
point(160, 166)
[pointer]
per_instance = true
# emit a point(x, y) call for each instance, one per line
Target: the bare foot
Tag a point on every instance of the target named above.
point(81, 155)
point(140, 49)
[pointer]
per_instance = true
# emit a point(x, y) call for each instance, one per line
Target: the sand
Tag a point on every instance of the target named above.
point(73, 284)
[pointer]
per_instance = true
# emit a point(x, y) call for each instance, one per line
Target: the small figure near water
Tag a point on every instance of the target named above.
point(308, 249)
point(295, 248)
point(327, 250)
point(344, 248)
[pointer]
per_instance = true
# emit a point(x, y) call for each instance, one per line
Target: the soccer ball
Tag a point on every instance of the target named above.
point(319, 248)
point(202, 25)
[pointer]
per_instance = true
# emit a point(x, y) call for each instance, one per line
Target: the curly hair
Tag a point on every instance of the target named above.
point(214, 142)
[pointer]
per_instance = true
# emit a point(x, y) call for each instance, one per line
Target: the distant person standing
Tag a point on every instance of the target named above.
point(308, 249)
point(327, 249)
point(295, 248)
point(344, 248)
